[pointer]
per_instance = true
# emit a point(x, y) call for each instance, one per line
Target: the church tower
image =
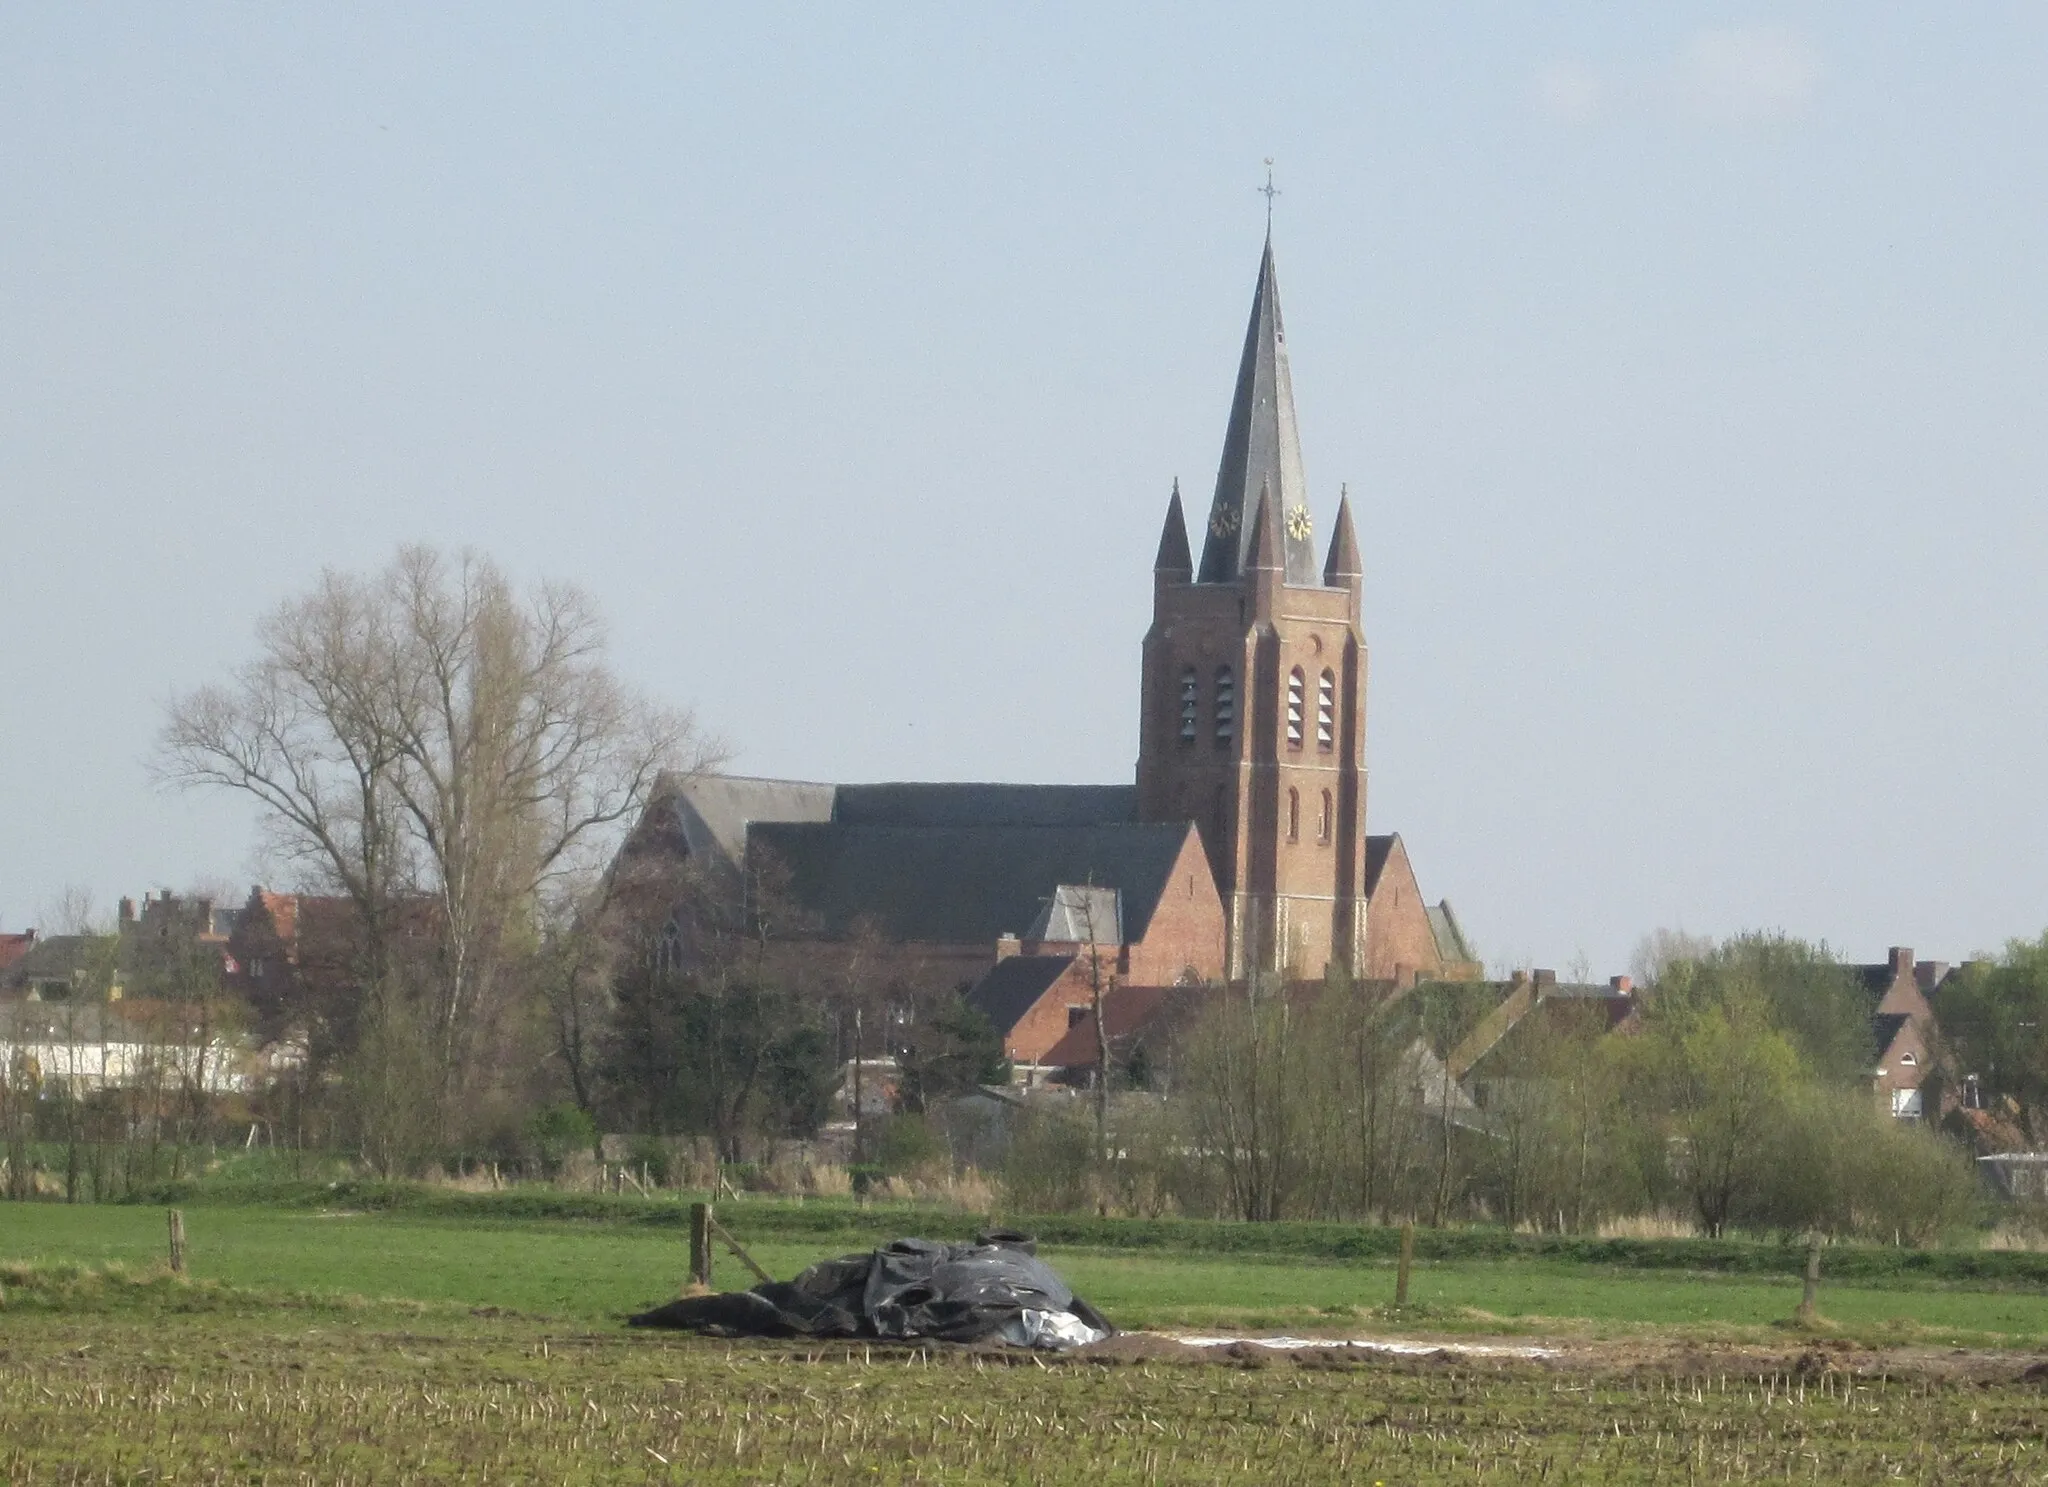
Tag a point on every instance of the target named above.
point(1253, 720)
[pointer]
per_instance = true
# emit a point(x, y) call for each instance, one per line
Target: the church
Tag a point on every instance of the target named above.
point(1241, 846)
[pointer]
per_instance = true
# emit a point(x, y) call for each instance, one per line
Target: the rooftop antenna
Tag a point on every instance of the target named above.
point(1269, 191)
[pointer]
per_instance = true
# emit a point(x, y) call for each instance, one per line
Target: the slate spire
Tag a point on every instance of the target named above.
point(1174, 560)
point(1343, 566)
point(1264, 550)
point(1261, 450)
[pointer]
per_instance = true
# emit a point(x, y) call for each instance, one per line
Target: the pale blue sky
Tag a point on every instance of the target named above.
point(1685, 363)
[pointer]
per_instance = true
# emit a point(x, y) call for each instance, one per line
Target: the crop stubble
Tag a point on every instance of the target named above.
point(310, 1394)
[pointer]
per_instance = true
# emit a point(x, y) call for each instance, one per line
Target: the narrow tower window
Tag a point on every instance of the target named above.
point(1294, 706)
point(1293, 815)
point(1190, 689)
point(1226, 705)
point(1323, 822)
point(1326, 711)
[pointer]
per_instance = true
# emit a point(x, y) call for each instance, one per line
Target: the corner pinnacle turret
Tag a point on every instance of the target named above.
point(1261, 450)
point(1174, 560)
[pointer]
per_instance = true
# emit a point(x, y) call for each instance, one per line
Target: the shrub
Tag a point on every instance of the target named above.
point(559, 1131)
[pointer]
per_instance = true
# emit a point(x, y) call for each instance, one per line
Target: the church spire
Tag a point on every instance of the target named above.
point(1261, 450)
point(1174, 560)
point(1343, 566)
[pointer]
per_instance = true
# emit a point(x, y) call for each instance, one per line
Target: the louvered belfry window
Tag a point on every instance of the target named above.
point(1190, 699)
point(1294, 707)
point(1226, 704)
point(1326, 711)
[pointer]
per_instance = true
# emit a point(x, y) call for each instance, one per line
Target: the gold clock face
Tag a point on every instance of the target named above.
point(1224, 522)
point(1300, 525)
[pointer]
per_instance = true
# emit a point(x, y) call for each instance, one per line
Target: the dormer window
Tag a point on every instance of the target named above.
point(1226, 705)
point(1190, 699)
point(1326, 711)
point(1294, 705)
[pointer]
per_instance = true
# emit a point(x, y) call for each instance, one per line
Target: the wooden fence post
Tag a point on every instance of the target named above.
point(1809, 1301)
point(1407, 1259)
point(177, 1242)
point(700, 1244)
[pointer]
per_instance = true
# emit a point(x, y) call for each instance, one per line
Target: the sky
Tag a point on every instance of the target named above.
point(1684, 364)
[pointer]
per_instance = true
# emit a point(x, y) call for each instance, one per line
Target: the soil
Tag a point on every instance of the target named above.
point(1809, 1358)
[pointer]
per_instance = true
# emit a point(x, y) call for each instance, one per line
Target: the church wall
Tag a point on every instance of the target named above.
point(1187, 928)
point(1398, 940)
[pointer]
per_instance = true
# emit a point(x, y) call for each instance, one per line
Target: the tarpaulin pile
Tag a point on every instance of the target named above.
point(993, 1290)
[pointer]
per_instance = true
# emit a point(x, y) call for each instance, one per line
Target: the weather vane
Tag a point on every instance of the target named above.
point(1269, 191)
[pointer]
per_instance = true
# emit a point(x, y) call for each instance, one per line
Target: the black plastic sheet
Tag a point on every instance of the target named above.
point(993, 1290)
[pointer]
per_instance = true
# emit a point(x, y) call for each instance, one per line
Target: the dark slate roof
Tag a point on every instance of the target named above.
point(713, 811)
point(1343, 565)
point(1013, 986)
point(1451, 944)
point(966, 884)
point(1261, 450)
point(54, 958)
point(1884, 1027)
point(985, 805)
point(1377, 850)
point(1173, 559)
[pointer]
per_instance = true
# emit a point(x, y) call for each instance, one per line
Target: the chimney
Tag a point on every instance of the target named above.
point(1517, 978)
point(1546, 978)
point(1902, 961)
point(1621, 984)
point(127, 911)
point(1930, 974)
point(1007, 946)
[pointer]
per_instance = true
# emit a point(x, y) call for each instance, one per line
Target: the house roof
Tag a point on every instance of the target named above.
point(966, 884)
point(1377, 850)
point(1080, 914)
point(55, 958)
point(1125, 1010)
point(1884, 1030)
point(1451, 944)
point(14, 946)
point(1013, 986)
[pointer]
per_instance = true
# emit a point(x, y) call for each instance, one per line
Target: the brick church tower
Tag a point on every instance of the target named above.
point(1253, 720)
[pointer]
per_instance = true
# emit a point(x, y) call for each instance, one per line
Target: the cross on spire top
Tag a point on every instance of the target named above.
point(1269, 191)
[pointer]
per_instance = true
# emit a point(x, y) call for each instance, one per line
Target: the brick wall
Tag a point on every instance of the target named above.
point(1398, 941)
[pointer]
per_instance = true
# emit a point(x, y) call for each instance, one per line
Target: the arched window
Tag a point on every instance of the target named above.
point(1226, 705)
point(1326, 711)
point(1190, 690)
point(1294, 705)
point(1293, 815)
point(1326, 820)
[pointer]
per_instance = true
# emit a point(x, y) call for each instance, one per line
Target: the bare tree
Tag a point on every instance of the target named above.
point(429, 733)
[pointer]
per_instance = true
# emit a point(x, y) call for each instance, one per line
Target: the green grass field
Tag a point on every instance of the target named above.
point(598, 1271)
